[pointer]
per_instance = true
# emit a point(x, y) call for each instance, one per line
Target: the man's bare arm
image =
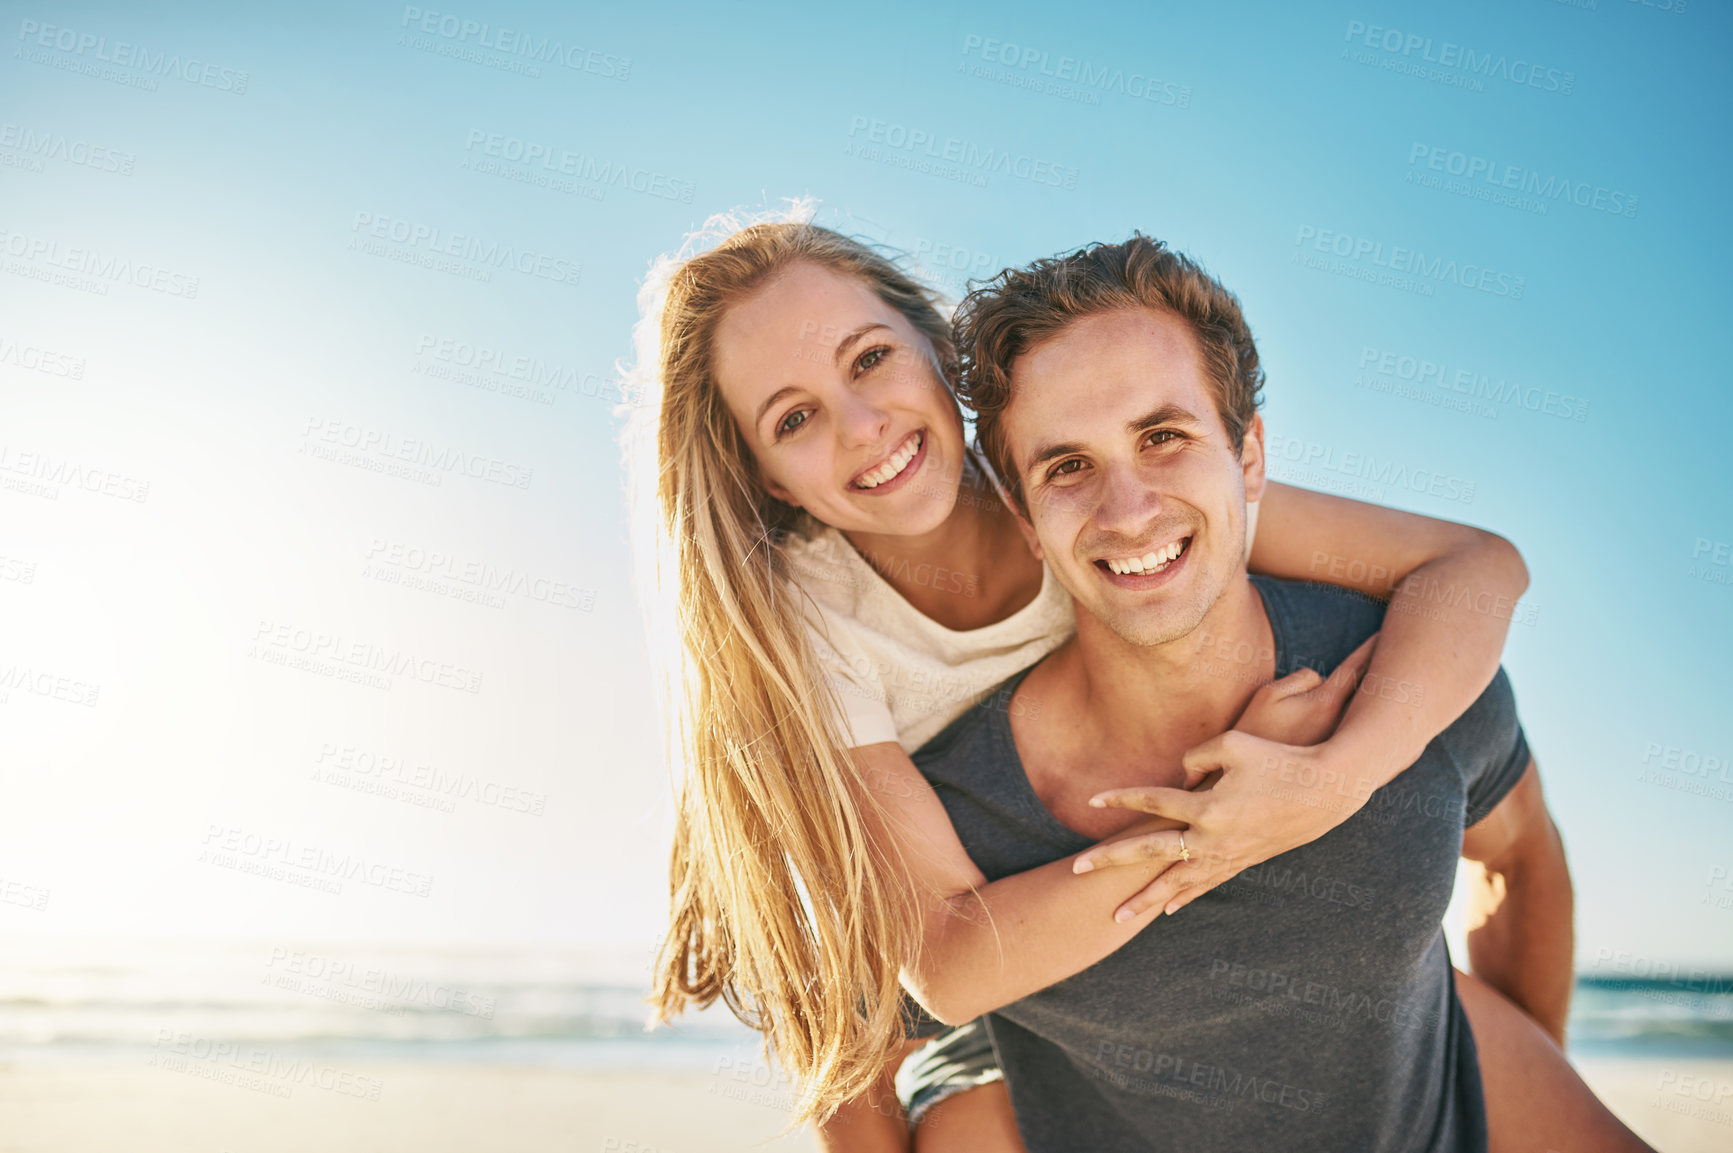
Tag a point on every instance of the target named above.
point(1520, 936)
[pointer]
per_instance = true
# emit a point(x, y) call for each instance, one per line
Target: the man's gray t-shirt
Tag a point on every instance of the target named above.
point(1305, 1005)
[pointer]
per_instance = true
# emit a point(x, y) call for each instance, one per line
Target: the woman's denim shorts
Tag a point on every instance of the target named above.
point(955, 1060)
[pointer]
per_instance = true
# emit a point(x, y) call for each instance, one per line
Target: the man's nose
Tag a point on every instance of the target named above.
point(1129, 502)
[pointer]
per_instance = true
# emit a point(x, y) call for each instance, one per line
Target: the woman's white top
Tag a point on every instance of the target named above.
point(899, 675)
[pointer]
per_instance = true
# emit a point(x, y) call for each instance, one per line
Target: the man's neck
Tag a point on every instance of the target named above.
point(1124, 714)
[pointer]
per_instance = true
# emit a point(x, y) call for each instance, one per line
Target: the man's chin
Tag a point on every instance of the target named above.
point(1147, 628)
point(1142, 619)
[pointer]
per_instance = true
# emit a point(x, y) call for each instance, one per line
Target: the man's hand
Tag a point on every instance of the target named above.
point(1275, 787)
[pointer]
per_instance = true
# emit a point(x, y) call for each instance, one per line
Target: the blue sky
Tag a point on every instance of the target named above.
point(1481, 246)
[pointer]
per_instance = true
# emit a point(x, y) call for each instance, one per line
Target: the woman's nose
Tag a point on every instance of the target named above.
point(862, 422)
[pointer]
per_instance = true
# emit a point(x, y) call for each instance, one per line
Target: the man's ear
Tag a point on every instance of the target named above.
point(1252, 458)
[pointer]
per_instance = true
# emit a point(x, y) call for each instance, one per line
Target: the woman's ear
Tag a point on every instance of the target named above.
point(755, 467)
point(1028, 530)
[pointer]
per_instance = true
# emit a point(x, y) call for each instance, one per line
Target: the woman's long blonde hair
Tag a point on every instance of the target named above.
point(783, 906)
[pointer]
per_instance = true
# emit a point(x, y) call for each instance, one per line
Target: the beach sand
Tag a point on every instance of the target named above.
point(1678, 1106)
point(421, 1108)
point(435, 1108)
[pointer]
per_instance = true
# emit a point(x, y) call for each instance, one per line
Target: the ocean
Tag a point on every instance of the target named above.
point(554, 1007)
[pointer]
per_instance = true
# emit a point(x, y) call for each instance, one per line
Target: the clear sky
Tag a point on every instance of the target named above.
point(304, 307)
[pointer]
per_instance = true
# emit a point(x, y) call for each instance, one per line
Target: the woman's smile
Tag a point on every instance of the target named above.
point(892, 471)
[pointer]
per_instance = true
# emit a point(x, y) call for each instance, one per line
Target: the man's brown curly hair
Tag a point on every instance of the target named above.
point(1022, 307)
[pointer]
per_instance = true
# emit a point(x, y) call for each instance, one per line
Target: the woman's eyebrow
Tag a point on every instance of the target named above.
point(841, 348)
point(846, 341)
point(758, 417)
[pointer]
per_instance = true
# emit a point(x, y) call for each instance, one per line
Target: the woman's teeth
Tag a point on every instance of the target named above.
point(890, 468)
point(1148, 562)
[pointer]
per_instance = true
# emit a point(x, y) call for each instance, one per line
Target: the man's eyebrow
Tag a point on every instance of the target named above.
point(1048, 451)
point(1167, 414)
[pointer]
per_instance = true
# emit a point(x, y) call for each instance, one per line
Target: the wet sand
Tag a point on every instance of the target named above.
point(1679, 1106)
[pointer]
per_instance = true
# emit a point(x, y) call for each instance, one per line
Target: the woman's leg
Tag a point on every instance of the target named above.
point(955, 1095)
point(977, 1120)
point(872, 1122)
point(1535, 1101)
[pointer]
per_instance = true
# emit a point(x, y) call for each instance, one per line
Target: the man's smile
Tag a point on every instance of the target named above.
point(1146, 569)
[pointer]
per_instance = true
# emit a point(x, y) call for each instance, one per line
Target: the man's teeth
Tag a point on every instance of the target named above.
point(1148, 562)
point(891, 467)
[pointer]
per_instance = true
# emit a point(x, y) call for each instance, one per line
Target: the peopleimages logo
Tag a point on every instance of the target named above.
point(428, 241)
point(48, 145)
point(325, 437)
point(1525, 181)
point(41, 466)
point(1366, 467)
point(46, 684)
point(1473, 384)
point(582, 167)
point(1087, 76)
point(968, 156)
point(330, 654)
point(516, 42)
point(1409, 262)
point(89, 46)
point(1414, 49)
point(104, 266)
point(232, 847)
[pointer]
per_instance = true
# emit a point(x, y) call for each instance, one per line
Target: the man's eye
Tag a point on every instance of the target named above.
point(1162, 436)
point(1065, 468)
point(792, 421)
point(870, 358)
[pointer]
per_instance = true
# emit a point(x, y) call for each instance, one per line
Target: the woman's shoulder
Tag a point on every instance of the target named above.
point(825, 566)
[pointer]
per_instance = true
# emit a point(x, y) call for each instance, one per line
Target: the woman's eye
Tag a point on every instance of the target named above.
point(1065, 468)
point(870, 358)
point(792, 421)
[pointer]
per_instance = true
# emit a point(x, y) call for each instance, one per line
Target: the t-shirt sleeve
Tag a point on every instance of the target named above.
point(1489, 748)
point(863, 717)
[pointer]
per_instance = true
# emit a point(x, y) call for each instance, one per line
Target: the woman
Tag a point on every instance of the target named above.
point(814, 872)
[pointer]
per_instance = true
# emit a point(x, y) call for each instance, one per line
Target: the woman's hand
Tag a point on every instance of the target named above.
point(1275, 787)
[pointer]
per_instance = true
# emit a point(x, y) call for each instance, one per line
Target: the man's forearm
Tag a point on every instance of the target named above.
point(1524, 940)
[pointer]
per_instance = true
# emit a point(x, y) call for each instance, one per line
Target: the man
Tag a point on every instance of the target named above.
point(1309, 1003)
